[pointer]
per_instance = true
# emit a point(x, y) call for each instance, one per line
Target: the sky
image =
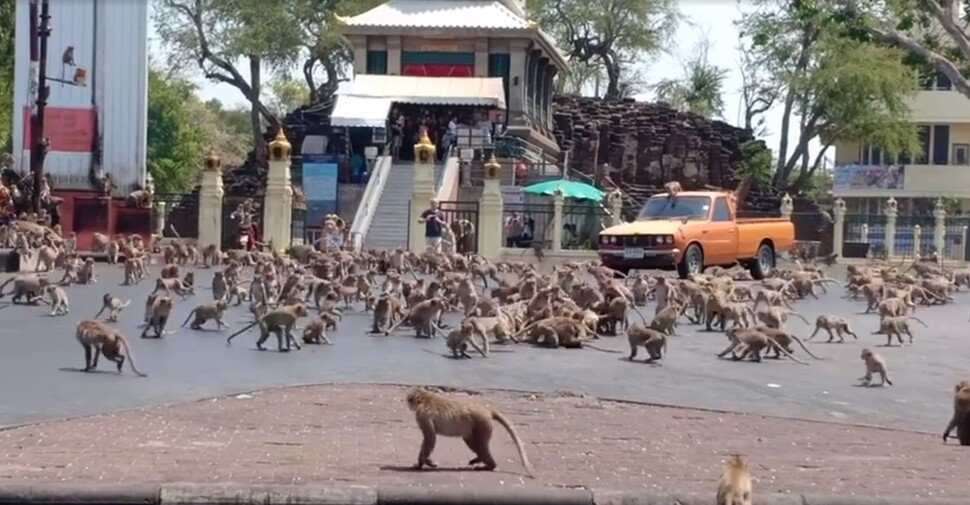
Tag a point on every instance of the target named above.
point(710, 19)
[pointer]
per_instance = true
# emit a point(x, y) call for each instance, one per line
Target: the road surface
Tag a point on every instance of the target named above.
point(41, 356)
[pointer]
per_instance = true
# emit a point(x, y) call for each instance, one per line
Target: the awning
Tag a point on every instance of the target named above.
point(360, 111)
point(481, 91)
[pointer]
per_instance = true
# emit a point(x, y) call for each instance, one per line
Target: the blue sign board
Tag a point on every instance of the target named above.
point(320, 180)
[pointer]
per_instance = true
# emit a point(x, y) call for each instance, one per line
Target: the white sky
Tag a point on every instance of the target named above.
point(711, 18)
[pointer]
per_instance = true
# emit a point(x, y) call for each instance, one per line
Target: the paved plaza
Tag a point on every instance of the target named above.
point(41, 359)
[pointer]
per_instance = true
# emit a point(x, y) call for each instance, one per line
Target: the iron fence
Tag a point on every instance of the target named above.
point(905, 239)
point(955, 245)
point(462, 219)
point(298, 226)
point(181, 214)
point(524, 222)
point(582, 223)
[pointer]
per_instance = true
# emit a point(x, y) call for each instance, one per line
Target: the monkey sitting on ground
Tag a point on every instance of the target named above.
point(439, 415)
point(207, 312)
point(424, 316)
point(113, 305)
point(874, 364)
point(156, 317)
point(829, 323)
point(458, 340)
point(735, 485)
point(961, 414)
point(280, 322)
point(97, 338)
point(316, 332)
point(654, 341)
point(60, 305)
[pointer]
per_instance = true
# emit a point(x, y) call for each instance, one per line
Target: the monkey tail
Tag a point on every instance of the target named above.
point(601, 349)
point(131, 357)
point(796, 314)
point(918, 320)
point(123, 305)
point(190, 317)
point(804, 348)
point(8, 281)
point(501, 419)
point(635, 309)
point(174, 231)
point(240, 332)
point(782, 350)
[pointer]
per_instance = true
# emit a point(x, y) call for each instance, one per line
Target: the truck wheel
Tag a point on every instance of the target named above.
point(692, 262)
point(763, 263)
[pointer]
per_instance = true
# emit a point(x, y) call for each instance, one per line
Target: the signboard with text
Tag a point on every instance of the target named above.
point(320, 175)
point(71, 130)
point(869, 177)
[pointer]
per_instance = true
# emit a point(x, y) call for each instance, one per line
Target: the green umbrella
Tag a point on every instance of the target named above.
point(570, 189)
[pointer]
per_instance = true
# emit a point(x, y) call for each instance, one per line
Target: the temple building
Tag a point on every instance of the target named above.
point(445, 53)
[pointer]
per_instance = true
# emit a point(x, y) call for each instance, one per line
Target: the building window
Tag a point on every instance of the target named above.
point(499, 65)
point(377, 62)
point(943, 82)
point(923, 158)
point(941, 144)
point(934, 81)
point(961, 154)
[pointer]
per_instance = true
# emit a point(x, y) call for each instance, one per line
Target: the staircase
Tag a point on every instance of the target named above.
point(389, 228)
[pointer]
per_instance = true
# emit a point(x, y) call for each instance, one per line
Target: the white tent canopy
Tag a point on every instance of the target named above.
point(360, 111)
point(480, 91)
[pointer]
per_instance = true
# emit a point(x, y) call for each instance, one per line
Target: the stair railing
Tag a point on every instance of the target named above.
point(370, 199)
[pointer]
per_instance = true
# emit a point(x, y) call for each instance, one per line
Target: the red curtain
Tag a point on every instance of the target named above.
point(439, 70)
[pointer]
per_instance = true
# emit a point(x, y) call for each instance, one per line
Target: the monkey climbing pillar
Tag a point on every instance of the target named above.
point(422, 191)
point(490, 213)
point(278, 204)
point(210, 203)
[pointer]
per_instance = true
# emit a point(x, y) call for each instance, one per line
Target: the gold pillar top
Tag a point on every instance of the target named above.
point(424, 139)
point(280, 139)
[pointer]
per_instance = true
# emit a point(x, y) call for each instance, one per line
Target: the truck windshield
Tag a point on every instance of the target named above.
point(676, 207)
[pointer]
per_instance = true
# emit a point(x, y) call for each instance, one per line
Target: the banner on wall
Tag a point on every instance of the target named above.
point(869, 177)
point(320, 180)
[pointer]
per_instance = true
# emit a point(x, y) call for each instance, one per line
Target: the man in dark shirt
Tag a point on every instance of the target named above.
point(433, 219)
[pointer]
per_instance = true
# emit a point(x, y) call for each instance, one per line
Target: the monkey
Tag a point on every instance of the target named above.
point(239, 293)
point(211, 256)
point(139, 198)
point(132, 274)
point(113, 251)
point(330, 319)
point(173, 285)
point(775, 316)
point(85, 274)
point(746, 342)
point(29, 285)
point(771, 298)
point(666, 319)
point(189, 280)
point(654, 341)
point(439, 415)
point(97, 338)
point(60, 305)
point(159, 310)
point(68, 57)
point(113, 305)
point(149, 302)
point(783, 339)
point(279, 321)
point(890, 326)
point(961, 414)
point(170, 271)
point(206, 312)
point(46, 258)
point(458, 340)
point(874, 364)
point(735, 485)
point(673, 188)
point(423, 316)
point(316, 332)
point(829, 323)
point(219, 287)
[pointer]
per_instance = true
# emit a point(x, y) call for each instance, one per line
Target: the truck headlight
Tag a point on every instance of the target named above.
point(658, 239)
point(604, 239)
point(669, 239)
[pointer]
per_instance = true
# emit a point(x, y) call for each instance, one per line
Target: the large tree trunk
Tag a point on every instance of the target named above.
point(255, 118)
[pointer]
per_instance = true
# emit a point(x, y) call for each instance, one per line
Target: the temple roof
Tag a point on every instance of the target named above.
point(481, 14)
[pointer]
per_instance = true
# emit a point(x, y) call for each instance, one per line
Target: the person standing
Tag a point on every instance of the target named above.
point(433, 219)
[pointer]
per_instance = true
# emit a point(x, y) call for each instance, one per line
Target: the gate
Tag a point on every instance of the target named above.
point(462, 218)
point(230, 226)
point(181, 215)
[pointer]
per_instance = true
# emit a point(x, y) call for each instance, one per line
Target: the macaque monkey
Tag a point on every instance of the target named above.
point(68, 57)
point(316, 332)
point(159, 310)
point(875, 364)
point(170, 286)
point(207, 312)
point(280, 322)
point(97, 338)
point(829, 323)
point(746, 342)
point(219, 287)
point(439, 415)
point(113, 305)
point(735, 485)
point(654, 341)
point(961, 414)
point(60, 305)
point(459, 339)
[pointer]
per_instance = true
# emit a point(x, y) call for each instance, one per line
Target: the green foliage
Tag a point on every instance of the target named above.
point(612, 34)
point(176, 140)
point(700, 89)
point(756, 163)
point(7, 22)
point(832, 80)
point(286, 94)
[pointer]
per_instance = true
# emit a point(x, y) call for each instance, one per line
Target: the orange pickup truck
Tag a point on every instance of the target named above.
point(693, 230)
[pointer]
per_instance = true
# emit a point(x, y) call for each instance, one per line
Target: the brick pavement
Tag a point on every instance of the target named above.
point(364, 434)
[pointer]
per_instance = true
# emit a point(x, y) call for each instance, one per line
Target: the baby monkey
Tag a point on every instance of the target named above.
point(113, 305)
point(875, 364)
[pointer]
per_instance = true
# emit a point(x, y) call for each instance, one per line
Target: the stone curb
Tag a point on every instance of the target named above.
point(242, 494)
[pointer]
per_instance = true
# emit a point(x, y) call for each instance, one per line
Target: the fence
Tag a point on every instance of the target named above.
point(955, 229)
point(230, 225)
point(463, 222)
point(177, 214)
point(524, 222)
point(955, 245)
point(582, 222)
point(298, 228)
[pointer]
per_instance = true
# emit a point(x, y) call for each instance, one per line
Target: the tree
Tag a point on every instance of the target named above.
point(579, 78)
point(834, 84)
point(701, 88)
point(176, 140)
point(228, 130)
point(758, 94)
point(612, 34)
point(286, 94)
point(7, 22)
point(215, 34)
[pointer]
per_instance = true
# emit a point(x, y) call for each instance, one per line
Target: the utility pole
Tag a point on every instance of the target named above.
point(38, 151)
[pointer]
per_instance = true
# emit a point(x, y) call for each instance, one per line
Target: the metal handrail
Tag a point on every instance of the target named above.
point(370, 198)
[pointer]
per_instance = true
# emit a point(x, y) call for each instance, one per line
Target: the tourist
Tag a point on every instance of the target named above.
point(513, 230)
point(397, 134)
point(332, 236)
point(433, 219)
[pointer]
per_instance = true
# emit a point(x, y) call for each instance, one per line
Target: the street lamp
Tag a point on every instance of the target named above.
point(38, 49)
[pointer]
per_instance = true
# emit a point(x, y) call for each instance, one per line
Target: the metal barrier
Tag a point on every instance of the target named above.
point(179, 212)
point(525, 222)
point(462, 219)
